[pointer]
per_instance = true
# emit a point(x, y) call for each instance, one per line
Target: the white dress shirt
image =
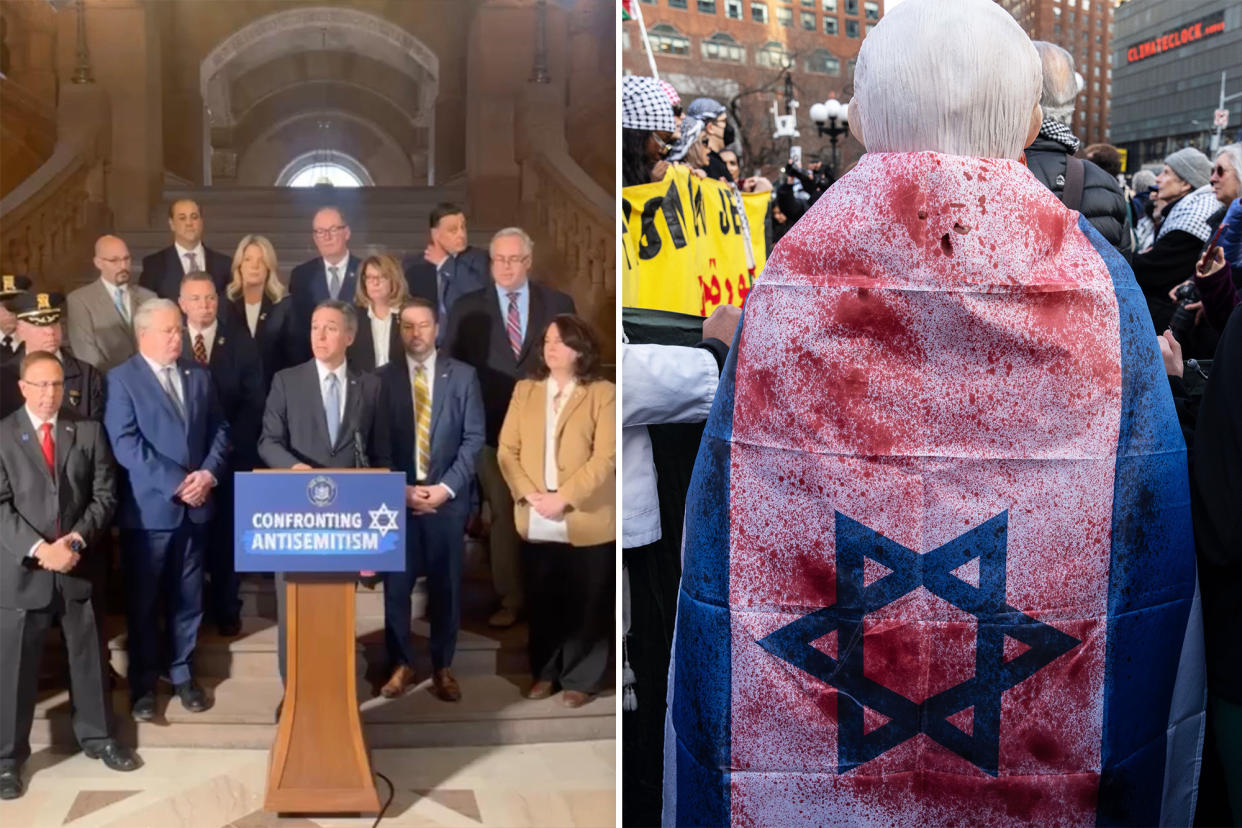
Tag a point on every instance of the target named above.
point(342, 382)
point(112, 292)
point(551, 477)
point(200, 257)
point(341, 267)
point(209, 336)
point(38, 424)
point(252, 315)
point(381, 330)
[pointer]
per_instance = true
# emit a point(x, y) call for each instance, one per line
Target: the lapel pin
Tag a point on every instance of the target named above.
point(220, 341)
point(25, 436)
point(262, 316)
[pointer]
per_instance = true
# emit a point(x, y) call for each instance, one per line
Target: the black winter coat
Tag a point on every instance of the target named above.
point(1103, 203)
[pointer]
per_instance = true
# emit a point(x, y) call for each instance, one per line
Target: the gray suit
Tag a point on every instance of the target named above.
point(97, 333)
point(35, 506)
point(295, 430)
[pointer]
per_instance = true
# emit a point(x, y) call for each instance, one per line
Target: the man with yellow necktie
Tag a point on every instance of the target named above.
point(435, 417)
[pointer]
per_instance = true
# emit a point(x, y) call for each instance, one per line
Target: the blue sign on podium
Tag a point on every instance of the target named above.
point(319, 521)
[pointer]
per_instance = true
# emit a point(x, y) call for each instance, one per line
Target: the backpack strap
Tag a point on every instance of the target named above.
point(1075, 170)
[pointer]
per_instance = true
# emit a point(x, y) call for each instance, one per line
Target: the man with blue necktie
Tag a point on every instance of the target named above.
point(101, 313)
point(449, 268)
point(332, 275)
point(168, 431)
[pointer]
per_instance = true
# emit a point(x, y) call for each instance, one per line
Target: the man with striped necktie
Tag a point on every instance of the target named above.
point(435, 419)
point(493, 330)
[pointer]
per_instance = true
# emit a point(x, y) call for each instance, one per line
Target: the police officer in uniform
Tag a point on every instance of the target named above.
point(11, 286)
point(39, 329)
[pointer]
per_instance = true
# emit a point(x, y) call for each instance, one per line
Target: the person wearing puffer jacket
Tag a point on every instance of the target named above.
point(1102, 203)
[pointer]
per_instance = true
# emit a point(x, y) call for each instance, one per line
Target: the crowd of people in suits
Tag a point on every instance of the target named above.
point(454, 367)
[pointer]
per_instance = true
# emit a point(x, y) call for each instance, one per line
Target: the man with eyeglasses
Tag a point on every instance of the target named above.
point(100, 314)
point(496, 331)
point(38, 318)
point(333, 274)
point(57, 496)
point(435, 418)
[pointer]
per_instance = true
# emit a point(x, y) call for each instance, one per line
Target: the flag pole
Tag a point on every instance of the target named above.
point(637, 8)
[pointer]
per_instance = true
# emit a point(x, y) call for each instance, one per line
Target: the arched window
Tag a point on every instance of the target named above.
point(668, 41)
point(823, 62)
point(722, 47)
point(774, 55)
point(324, 167)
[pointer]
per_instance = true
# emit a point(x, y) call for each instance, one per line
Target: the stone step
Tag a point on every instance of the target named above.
point(492, 711)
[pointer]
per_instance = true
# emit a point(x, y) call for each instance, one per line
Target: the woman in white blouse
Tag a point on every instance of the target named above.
point(381, 291)
point(558, 453)
point(256, 297)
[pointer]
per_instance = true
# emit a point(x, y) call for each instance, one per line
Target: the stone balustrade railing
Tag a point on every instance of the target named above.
point(566, 208)
point(49, 222)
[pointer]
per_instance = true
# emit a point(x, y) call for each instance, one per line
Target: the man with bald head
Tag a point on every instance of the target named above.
point(162, 270)
point(332, 275)
point(100, 314)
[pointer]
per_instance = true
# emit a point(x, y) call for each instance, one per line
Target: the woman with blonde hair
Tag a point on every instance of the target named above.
point(256, 296)
point(558, 455)
point(381, 291)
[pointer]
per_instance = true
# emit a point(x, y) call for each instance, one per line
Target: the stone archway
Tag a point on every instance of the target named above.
point(296, 36)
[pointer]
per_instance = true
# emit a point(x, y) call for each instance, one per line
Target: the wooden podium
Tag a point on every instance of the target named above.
point(319, 763)
point(343, 521)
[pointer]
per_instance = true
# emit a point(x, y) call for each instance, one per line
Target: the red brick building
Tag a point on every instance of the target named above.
point(739, 52)
point(1084, 28)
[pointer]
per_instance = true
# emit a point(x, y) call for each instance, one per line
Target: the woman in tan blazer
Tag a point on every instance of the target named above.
point(558, 454)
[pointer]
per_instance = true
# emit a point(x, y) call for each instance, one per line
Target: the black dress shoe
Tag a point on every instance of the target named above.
point(115, 755)
point(229, 627)
point(144, 707)
point(11, 783)
point(193, 698)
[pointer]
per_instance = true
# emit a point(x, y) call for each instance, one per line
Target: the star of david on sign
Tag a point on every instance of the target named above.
point(383, 519)
point(909, 571)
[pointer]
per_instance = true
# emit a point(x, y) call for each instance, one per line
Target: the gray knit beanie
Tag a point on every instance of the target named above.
point(1191, 166)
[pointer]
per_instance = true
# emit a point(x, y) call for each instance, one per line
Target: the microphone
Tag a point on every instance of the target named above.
point(360, 455)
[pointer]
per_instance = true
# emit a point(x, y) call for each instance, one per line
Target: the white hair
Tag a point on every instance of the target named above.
point(527, 243)
point(1234, 151)
point(952, 76)
point(1061, 83)
point(142, 316)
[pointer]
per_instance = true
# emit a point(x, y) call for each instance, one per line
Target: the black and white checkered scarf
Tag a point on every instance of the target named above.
point(1191, 214)
point(1054, 130)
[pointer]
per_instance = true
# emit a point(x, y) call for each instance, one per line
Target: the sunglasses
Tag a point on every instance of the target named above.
point(1220, 171)
point(662, 146)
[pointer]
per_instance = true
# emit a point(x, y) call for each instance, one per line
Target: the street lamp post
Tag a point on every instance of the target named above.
point(832, 118)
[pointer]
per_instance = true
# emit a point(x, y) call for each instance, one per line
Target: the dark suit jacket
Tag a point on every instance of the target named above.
point(84, 387)
point(467, 272)
point(362, 353)
point(477, 337)
point(163, 269)
point(271, 337)
point(456, 425)
point(156, 448)
point(237, 376)
point(82, 497)
point(308, 286)
point(295, 429)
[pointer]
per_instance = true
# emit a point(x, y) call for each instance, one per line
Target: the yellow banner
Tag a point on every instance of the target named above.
point(683, 244)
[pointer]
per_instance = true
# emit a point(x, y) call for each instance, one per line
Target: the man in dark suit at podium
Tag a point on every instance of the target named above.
point(435, 416)
point(163, 269)
point(498, 331)
point(237, 374)
point(39, 328)
point(57, 496)
point(322, 414)
point(449, 268)
point(333, 274)
point(170, 435)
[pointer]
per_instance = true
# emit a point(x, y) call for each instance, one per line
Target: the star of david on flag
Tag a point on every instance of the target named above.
point(978, 743)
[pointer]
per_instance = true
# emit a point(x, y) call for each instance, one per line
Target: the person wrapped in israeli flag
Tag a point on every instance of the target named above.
point(939, 566)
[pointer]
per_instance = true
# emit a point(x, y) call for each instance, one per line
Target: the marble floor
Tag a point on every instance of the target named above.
point(553, 784)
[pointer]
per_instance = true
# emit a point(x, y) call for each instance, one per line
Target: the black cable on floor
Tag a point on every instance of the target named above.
point(391, 793)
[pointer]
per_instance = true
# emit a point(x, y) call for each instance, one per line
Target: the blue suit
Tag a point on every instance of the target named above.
point(163, 539)
point(457, 276)
point(434, 543)
point(308, 286)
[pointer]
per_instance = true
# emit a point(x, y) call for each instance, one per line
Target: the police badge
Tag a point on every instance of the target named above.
point(321, 491)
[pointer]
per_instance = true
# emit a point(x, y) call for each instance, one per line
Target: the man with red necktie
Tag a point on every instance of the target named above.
point(495, 331)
